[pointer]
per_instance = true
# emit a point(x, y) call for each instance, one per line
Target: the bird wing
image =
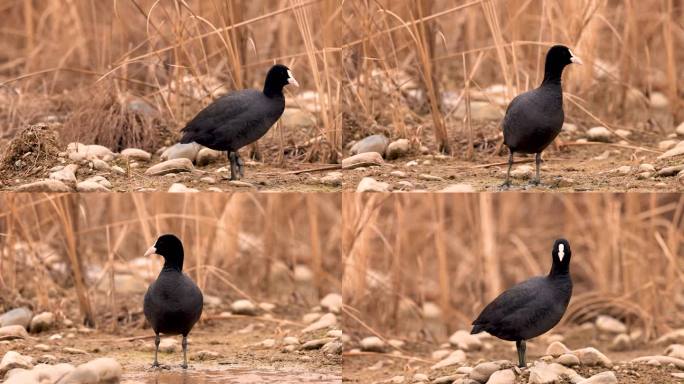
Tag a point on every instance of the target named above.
point(512, 307)
point(204, 127)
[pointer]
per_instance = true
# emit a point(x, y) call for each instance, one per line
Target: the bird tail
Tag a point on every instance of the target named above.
point(477, 328)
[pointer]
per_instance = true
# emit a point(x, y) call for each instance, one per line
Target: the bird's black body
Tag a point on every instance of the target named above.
point(240, 118)
point(533, 119)
point(531, 308)
point(173, 303)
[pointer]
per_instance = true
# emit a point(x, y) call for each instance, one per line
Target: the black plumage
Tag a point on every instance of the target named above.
point(534, 118)
point(532, 307)
point(240, 118)
point(173, 303)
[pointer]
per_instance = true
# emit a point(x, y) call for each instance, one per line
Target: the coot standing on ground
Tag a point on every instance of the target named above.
point(240, 118)
point(534, 118)
point(532, 307)
point(173, 302)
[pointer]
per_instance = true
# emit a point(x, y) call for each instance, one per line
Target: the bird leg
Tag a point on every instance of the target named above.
point(156, 350)
point(521, 347)
point(537, 161)
point(507, 183)
point(185, 352)
point(240, 165)
point(232, 158)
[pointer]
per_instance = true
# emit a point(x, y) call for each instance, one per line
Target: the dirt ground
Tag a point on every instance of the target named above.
point(238, 359)
point(415, 358)
point(574, 169)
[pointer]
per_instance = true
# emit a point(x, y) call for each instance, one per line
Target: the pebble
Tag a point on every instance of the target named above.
point(207, 156)
point(333, 179)
point(621, 342)
point(317, 343)
point(290, 340)
point(676, 151)
point(607, 377)
point(400, 174)
point(522, 172)
point(463, 340)
point(458, 188)
point(136, 154)
point(241, 184)
point(670, 171)
point(593, 357)
point(12, 360)
point(332, 302)
point(667, 144)
point(647, 167)
point(11, 332)
point(440, 354)
point(89, 152)
point(569, 128)
point(326, 321)
point(426, 177)
point(332, 347)
point(557, 349)
point(369, 184)
point(243, 307)
point(208, 180)
point(76, 351)
point(601, 134)
point(118, 170)
point(168, 345)
point(66, 174)
point(412, 163)
point(456, 357)
point(374, 143)
point(679, 363)
point(170, 166)
point(43, 347)
point(101, 370)
point(181, 188)
point(181, 151)
point(268, 343)
point(17, 316)
point(362, 160)
point(455, 379)
point(568, 360)
point(610, 324)
point(483, 371)
point(504, 376)
point(373, 344)
point(543, 373)
point(420, 377)
point(397, 149)
point(100, 165)
point(403, 186)
point(680, 129)
point(675, 336)
point(676, 351)
point(91, 186)
point(205, 355)
point(42, 322)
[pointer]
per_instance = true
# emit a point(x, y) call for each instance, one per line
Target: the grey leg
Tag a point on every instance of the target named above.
point(521, 347)
point(185, 352)
point(507, 183)
point(156, 350)
point(537, 161)
point(240, 165)
point(232, 158)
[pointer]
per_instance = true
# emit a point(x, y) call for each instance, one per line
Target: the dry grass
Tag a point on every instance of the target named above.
point(94, 65)
point(460, 250)
point(60, 247)
point(404, 54)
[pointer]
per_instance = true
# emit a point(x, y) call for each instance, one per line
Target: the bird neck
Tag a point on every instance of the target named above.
point(559, 270)
point(173, 262)
point(272, 88)
point(552, 74)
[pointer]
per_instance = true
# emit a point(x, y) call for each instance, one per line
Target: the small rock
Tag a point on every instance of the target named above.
point(332, 347)
point(463, 340)
point(136, 154)
point(76, 351)
point(268, 343)
point(504, 376)
point(208, 180)
point(332, 302)
point(100, 165)
point(206, 156)
point(440, 354)
point(601, 134)
point(412, 163)
point(542, 373)
point(610, 324)
point(456, 357)
point(483, 371)
point(18, 316)
point(168, 345)
point(557, 349)
point(667, 144)
point(523, 172)
point(426, 177)
point(316, 344)
point(569, 128)
point(42, 322)
point(400, 174)
point(373, 344)
point(607, 377)
point(373, 143)
point(568, 360)
point(170, 166)
point(333, 179)
point(66, 174)
point(670, 171)
point(205, 356)
point(181, 188)
point(647, 167)
point(182, 151)
point(397, 149)
point(11, 332)
point(676, 351)
point(458, 188)
point(90, 186)
point(621, 342)
point(240, 184)
point(362, 160)
point(12, 360)
point(679, 363)
point(592, 357)
point(369, 184)
point(243, 307)
point(118, 170)
point(325, 321)
point(290, 340)
point(101, 370)
point(420, 377)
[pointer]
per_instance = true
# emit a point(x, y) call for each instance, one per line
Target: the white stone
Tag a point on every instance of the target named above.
point(181, 188)
point(397, 149)
point(458, 188)
point(181, 151)
point(456, 357)
point(91, 186)
point(607, 377)
point(463, 340)
point(369, 184)
point(243, 307)
point(170, 166)
point(362, 160)
point(326, 321)
point(42, 322)
point(599, 134)
point(206, 156)
point(136, 154)
point(332, 302)
point(373, 344)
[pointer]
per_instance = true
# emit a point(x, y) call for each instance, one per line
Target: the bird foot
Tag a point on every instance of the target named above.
point(535, 182)
point(184, 366)
point(505, 186)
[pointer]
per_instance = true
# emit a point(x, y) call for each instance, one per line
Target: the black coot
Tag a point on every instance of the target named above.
point(173, 302)
point(534, 118)
point(240, 118)
point(532, 307)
